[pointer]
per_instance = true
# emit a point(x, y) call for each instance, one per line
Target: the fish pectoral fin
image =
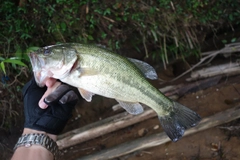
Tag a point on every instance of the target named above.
point(147, 70)
point(86, 94)
point(130, 107)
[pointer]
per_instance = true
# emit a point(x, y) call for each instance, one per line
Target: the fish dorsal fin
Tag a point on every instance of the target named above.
point(86, 94)
point(132, 108)
point(145, 68)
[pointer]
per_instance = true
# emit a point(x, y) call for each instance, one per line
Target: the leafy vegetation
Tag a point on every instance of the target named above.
point(171, 28)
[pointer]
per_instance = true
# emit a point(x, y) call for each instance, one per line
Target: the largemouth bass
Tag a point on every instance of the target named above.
point(95, 70)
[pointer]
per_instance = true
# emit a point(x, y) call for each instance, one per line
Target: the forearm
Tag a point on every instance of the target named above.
point(36, 152)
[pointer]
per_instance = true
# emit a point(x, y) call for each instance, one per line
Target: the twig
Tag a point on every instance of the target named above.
point(145, 47)
point(109, 19)
point(231, 128)
point(15, 78)
point(165, 49)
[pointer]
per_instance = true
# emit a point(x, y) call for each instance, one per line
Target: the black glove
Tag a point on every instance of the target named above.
point(60, 105)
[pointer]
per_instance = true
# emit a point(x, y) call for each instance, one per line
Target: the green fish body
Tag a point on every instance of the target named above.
point(95, 70)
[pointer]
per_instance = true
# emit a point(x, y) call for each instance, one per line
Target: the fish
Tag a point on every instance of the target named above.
point(95, 70)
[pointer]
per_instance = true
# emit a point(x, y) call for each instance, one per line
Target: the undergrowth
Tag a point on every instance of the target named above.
point(164, 28)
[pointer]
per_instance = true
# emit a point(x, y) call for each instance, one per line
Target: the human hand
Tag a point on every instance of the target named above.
point(51, 84)
point(52, 119)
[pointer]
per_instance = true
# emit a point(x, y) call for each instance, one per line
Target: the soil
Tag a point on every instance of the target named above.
point(214, 143)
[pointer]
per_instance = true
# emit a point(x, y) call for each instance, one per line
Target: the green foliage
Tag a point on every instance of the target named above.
point(13, 60)
point(17, 60)
point(171, 28)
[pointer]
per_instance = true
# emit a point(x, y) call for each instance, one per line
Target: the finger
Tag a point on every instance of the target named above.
point(50, 82)
point(69, 97)
point(41, 103)
point(57, 94)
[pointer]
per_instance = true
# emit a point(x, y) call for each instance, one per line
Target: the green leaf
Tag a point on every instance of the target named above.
point(18, 52)
point(233, 40)
point(107, 11)
point(110, 26)
point(104, 35)
point(31, 49)
point(63, 26)
point(90, 37)
point(15, 61)
point(224, 41)
point(2, 59)
point(3, 67)
point(154, 35)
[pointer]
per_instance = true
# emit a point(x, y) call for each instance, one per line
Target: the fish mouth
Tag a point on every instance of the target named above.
point(34, 60)
point(40, 75)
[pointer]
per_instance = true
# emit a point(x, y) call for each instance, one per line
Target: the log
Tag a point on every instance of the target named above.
point(229, 69)
point(194, 86)
point(100, 128)
point(161, 138)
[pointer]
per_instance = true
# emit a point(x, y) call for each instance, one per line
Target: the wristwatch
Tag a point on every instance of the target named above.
point(28, 140)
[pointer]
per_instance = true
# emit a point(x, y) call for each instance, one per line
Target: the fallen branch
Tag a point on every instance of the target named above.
point(228, 69)
point(161, 138)
point(194, 86)
point(229, 48)
point(102, 127)
point(231, 128)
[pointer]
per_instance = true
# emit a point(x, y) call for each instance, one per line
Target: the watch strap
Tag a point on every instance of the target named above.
point(28, 140)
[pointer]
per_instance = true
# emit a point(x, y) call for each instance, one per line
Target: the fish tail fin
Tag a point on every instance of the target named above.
point(180, 119)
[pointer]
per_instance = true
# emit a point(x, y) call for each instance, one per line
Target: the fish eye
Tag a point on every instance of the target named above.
point(46, 52)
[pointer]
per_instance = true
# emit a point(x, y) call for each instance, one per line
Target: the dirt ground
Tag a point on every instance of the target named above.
point(212, 144)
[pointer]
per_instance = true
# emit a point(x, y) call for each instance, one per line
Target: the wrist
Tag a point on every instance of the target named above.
point(33, 140)
point(29, 131)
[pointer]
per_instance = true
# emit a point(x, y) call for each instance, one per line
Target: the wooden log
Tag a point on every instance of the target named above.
point(229, 69)
point(194, 86)
point(161, 138)
point(102, 127)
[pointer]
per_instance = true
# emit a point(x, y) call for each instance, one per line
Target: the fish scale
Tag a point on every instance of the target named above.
point(123, 93)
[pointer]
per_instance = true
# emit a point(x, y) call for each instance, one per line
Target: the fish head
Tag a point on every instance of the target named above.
point(52, 61)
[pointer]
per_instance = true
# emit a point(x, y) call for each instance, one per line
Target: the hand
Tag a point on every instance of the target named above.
point(53, 119)
point(51, 84)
